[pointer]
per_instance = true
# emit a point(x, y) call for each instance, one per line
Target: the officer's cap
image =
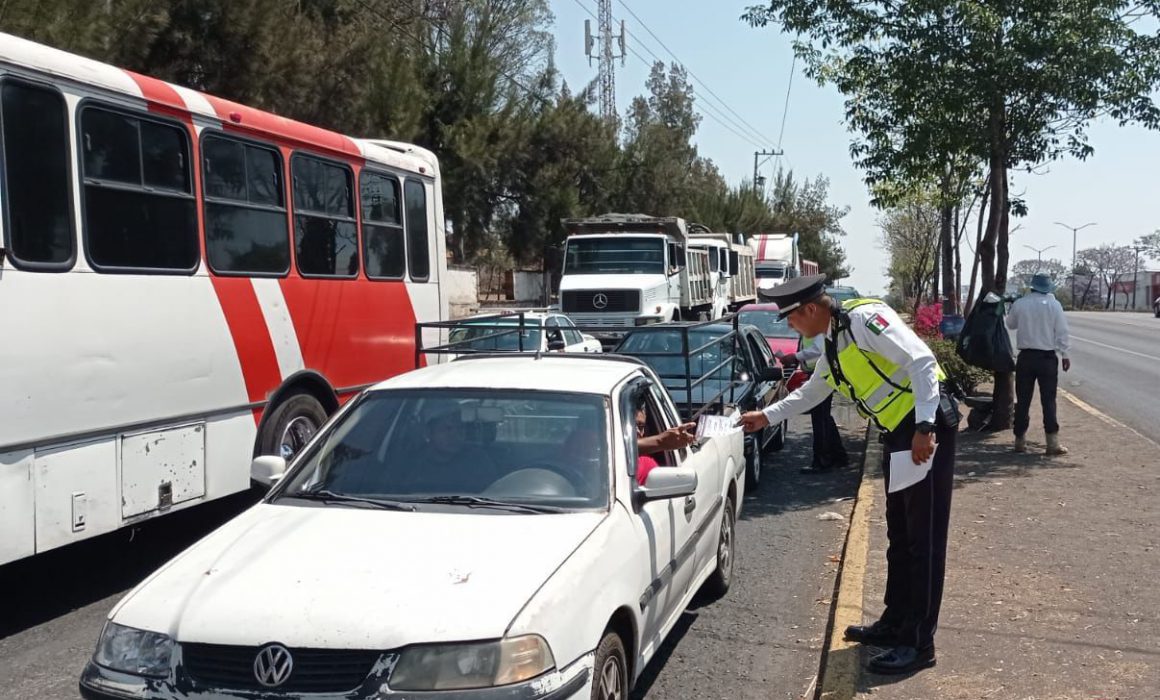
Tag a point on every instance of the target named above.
point(797, 291)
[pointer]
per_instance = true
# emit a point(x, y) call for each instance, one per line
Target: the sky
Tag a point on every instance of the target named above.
point(750, 70)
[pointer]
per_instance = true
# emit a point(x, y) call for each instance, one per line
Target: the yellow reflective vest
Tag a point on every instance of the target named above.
point(878, 387)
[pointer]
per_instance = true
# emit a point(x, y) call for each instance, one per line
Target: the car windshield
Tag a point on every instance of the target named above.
point(672, 366)
point(619, 255)
point(503, 336)
point(768, 323)
point(462, 448)
point(841, 294)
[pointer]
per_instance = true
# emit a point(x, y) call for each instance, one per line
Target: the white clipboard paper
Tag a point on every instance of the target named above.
point(904, 473)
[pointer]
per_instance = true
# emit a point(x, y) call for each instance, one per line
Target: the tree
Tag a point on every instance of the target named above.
point(932, 86)
point(1107, 263)
point(910, 234)
point(1150, 245)
point(1025, 269)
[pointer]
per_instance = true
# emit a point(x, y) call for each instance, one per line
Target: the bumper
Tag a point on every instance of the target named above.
point(571, 683)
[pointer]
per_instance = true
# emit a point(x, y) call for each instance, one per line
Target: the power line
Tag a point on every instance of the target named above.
point(716, 115)
point(752, 128)
point(785, 111)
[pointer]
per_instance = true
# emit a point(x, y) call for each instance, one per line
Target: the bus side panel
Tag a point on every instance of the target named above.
point(17, 493)
point(76, 492)
point(229, 442)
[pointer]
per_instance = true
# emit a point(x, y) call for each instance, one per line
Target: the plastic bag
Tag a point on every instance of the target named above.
point(984, 341)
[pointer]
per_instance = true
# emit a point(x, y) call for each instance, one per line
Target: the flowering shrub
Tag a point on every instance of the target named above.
point(927, 320)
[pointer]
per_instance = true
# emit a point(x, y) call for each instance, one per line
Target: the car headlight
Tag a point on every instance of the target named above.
point(134, 651)
point(475, 665)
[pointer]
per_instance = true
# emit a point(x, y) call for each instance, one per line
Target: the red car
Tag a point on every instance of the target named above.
point(778, 334)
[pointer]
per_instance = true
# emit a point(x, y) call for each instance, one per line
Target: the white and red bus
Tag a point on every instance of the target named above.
point(185, 282)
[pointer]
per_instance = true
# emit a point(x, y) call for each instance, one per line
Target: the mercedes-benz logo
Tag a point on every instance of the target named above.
point(272, 665)
point(600, 300)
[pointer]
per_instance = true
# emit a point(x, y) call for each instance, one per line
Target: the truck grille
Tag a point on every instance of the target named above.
point(314, 670)
point(614, 300)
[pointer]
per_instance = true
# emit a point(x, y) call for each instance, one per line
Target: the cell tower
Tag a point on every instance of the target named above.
point(606, 57)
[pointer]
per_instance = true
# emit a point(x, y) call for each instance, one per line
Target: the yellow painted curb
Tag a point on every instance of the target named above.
point(840, 664)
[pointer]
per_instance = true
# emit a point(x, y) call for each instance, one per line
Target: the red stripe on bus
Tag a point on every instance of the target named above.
point(353, 332)
point(237, 117)
point(159, 92)
point(761, 248)
point(251, 336)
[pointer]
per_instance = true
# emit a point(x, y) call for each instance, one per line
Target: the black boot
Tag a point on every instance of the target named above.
point(877, 634)
point(902, 660)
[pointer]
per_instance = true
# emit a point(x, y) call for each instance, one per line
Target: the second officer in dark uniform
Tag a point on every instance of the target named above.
point(874, 359)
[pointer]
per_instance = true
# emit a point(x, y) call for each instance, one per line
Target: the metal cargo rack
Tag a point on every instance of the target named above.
point(515, 322)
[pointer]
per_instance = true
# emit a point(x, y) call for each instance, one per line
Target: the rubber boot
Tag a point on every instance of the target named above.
point(1020, 443)
point(1053, 446)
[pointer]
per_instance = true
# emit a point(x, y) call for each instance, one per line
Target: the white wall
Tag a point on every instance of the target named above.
point(528, 286)
point(462, 286)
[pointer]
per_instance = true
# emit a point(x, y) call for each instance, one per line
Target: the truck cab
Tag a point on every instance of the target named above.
point(623, 271)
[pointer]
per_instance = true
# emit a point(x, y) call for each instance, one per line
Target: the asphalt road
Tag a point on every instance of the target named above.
point(1116, 367)
point(763, 640)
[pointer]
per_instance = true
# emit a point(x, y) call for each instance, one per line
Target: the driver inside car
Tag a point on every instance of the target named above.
point(450, 463)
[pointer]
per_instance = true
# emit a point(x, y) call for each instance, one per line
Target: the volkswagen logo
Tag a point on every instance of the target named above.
point(272, 665)
point(600, 300)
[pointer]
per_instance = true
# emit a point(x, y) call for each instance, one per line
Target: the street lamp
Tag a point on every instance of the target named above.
point(1073, 232)
point(1039, 251)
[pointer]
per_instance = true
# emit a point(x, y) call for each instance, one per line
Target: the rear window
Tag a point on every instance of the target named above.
point(669, 362)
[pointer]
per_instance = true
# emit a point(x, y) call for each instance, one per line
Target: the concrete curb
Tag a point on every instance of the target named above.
point(840, 666)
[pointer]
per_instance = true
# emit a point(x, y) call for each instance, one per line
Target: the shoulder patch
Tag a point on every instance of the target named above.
point(877, 324)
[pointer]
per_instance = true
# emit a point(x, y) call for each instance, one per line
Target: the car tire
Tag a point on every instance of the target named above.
point(610, 671)
point(777, 442)
point(719, 581)
point(752, 465)
point(291, 425)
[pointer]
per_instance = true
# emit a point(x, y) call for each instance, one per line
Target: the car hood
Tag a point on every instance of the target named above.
point(335, 577)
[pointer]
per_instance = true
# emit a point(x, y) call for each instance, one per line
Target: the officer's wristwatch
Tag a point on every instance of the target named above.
point(925, 427)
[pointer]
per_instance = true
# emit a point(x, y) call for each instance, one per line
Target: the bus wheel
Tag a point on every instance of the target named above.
point(292, 424)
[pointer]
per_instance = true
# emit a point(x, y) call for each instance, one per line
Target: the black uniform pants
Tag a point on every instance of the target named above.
point(828, 447)
point(1042, 367)
point(917, 520)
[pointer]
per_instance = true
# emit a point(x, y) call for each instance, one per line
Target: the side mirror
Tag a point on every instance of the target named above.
point(771, 374)
point(267, 469)
point(556, 345)
point(669, 482)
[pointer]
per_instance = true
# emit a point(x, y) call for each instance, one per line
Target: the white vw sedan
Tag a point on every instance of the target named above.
point(473, 530)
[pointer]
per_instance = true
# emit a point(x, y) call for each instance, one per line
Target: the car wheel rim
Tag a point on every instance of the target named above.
point(756, 464)
point(610, 676)
point(297, 433)
point(725, 545)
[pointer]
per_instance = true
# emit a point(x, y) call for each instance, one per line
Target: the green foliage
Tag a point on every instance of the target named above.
point(968, 377)
point(472, 80)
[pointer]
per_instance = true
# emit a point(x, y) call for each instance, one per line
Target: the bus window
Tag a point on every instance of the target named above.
point(382, 222)
point(139, 208)
point(245, 218)
point(325, 234)
point(420, 261)
point(36, 176)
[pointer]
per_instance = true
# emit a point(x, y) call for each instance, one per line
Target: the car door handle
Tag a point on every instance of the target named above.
point(690, 505)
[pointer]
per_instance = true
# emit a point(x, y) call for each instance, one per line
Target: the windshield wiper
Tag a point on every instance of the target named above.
point(328, 496)
point(480, 502)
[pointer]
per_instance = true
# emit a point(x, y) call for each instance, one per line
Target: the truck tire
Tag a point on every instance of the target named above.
point(291, 425)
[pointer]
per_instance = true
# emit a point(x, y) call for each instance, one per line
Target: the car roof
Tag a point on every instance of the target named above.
point(513, 318)
point(760, 307)
point(555, 372)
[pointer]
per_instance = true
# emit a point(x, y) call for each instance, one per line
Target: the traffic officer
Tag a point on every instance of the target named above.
point(872, 358)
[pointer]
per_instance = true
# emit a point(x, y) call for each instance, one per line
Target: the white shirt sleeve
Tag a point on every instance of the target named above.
point(802, 399)
point(1062, 338)
point(899, 344)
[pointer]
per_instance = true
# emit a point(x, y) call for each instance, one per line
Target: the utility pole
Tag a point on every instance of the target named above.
point(759, 181)
point(1073, 232)
point(605, 56)
point(1135, 274)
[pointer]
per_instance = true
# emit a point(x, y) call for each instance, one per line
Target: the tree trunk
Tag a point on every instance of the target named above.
point(948, 259)
point(958, 262)
point(995, 271)
point(970, 300)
